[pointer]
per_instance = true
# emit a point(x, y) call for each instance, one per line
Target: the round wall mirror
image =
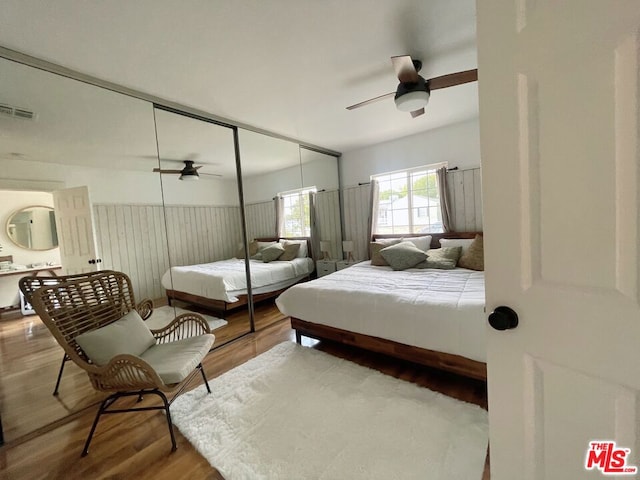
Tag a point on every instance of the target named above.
point(33, 228)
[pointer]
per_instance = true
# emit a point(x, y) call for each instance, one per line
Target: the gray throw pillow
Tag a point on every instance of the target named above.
point(403, 255)
point(375, 247)
point(272, 252)
point(438, 263)
point(290, 251)
point(128, 335)
point(445, 253)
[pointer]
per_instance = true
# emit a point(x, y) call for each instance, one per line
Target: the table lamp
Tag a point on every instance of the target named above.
point(347, 247)
point(325, 248)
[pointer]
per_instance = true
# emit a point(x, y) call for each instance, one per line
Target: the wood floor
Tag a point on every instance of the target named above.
point(137, 445)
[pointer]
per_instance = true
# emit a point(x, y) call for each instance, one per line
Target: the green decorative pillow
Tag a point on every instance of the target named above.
point(290, 251)
point(253, 249)
point(403, 255)
point(272, 252)
point(473, 258)
point(375, 247)
point(438, 263)
point(445, 253)
point(128, 335)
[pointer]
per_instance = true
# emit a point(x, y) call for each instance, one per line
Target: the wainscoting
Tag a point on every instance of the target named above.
point(465, 194)
point(261, 220)
point(133, 239)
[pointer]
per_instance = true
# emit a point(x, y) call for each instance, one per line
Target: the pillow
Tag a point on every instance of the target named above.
point(445, 253)
point(253, 249)
point(290, 251)
point(465, 243)
point(473, 258)
point(302, 253)
point(423, 243)
point(439, 263)
point(127, 335)
point(272, 252)
point(375, 247)
point(403, 255)
point(263, 245)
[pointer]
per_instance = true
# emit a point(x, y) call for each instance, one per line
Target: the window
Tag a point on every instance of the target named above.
point(296, 219)
point(409, 201)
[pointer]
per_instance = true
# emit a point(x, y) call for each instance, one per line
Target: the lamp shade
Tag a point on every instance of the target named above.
point(412, 101)
point(325, 246)
point(347, 246)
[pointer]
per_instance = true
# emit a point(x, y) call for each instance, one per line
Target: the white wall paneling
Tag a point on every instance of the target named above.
point(261, 220)
point(465, 194)
point(133, 239)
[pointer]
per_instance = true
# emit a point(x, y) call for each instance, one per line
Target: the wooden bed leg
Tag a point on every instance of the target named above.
point(168, 300)
point(298, 337)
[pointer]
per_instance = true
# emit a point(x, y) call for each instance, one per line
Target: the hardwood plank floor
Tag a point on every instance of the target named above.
point(137, 445)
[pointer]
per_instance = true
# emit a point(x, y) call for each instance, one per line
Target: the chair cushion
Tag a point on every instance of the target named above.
point(174, 361)
point(128, 335)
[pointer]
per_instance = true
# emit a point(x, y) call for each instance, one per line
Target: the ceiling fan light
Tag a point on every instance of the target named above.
point(412, 101)
point(190, 177)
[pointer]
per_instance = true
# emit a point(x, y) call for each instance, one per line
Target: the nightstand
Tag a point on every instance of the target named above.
point(325, 267)
point(342, 264)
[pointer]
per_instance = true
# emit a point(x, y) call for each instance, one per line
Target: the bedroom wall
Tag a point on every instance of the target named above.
point(458, 145)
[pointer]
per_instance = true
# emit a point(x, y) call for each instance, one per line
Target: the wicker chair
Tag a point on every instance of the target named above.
point(28, 285)
point(89, 304)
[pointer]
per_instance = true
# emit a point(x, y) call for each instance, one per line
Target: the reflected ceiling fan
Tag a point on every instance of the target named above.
point(412, 94)
point(188, 173)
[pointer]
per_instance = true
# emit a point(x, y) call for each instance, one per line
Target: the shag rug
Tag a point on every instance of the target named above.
point(296, 413)
point(161, 316)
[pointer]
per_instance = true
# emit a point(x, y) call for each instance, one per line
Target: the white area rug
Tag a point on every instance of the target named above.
point(161, 316)
point(295, 413)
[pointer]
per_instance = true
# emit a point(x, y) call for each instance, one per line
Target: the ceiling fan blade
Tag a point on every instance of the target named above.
point(160, 170)
point(198, 167)
point(453, 79)
point(212, 174)
point(371, 100)
point(417, 113)
point(405, 70)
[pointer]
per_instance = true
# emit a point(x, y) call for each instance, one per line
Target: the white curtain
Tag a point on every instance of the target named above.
point(445, 205)
point(279, 206)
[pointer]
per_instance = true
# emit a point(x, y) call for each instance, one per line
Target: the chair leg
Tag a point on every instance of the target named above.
point(205, 378)
point(174, 446)
point(64, 360)
point(103, 406)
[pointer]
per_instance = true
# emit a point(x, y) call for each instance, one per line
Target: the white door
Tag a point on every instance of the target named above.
point(74, 221)
point(559, 125)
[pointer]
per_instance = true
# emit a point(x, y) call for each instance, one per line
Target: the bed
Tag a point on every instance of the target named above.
point(428, 316)
point(222, 286)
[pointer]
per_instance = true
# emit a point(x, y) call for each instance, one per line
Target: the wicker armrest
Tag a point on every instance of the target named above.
point(183, 326)
point(145, 308)
point(124, 372)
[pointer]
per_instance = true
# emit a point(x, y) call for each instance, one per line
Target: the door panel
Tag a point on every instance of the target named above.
point(74, 221)
point(559, 137)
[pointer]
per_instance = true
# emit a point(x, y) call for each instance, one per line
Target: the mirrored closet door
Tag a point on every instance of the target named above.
point(207, 270)
point(64, 142)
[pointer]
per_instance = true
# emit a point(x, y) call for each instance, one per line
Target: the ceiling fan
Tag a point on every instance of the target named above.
point(189, 172)
point(412, 94)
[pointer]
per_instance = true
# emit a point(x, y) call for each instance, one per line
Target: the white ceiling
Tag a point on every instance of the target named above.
point(287, 66)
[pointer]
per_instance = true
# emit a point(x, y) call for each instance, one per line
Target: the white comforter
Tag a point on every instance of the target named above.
point(225, 279)
point(441, 310)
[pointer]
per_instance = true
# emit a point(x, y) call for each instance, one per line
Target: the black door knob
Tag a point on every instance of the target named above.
point(92, 261)
point(99, 260)
point(503, 318)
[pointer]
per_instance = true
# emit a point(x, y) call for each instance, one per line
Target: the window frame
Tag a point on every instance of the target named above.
point(302, 193)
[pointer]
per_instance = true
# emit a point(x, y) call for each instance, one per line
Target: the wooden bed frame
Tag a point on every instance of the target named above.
point(430, 358)
point(222, 308)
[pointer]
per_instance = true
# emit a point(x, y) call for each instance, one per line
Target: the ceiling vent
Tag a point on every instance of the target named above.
point(16, 112)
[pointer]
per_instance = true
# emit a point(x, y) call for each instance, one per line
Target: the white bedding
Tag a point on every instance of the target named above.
point(441, 310)
point(226, 279)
